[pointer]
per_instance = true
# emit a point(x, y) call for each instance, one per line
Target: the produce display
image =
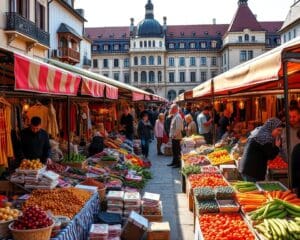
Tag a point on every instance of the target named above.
point(31, 165)
point(191, 169)
point(219, 157)
point(251, 201)
point(243, 186)
point(275, 209)
point(8, 214)
point(33, 218)
point(204, 193)
point(207, 206)
point(135, 160)
point(74, 158)
point(196, 160)
point(270, 186)
point(287, 196)
point(224, 193)
point(207, 180)
point(277, 163)
point(60, 201)
point(226, 226)
point(209, 169)
point(228, 206)
point(93, 182)
point(56, 167)
point(276, 228)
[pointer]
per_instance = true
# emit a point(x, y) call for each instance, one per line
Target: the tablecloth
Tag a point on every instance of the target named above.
point(78, 228)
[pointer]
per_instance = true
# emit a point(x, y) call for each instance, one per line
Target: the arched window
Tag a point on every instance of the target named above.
point(181, 91)
point(151, 60)
point(136, 61)
point(159, 60)
point(151, 77)
point(159, 76)
point(246, 37)
point(136, 77)
point(143, 60)
point(171, 95)
point(143, 76)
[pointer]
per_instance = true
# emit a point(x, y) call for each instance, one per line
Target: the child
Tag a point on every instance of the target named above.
point(55, 153)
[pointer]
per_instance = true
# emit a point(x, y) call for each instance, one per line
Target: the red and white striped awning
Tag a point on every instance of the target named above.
point(136, 96)
point(35, 76)
point(92, 87)
point(111, 92)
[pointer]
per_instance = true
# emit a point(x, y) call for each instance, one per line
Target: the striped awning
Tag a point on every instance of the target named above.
point(34, 76)
point(136, 96)
point(92, 87)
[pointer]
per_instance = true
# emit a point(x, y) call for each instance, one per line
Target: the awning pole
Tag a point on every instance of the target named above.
point(287, 117)
point(68, 125)
point(213, 110)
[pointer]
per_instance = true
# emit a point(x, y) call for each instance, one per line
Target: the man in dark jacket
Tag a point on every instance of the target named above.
point(144, 132)
point(127, 123)
point(34, 142)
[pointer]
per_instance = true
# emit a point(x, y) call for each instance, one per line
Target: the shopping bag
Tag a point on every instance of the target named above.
point(165, 138)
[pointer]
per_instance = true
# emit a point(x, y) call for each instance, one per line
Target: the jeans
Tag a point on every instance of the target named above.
point(159, 143)
point(176, 149)
point(145, 147)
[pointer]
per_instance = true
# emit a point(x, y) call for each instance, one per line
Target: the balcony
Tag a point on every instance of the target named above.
point(87, 62)
point(69, 55)
point(19, 27)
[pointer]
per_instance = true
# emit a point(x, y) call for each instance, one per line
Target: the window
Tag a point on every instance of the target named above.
point(20, 7)
point(116, 47)
point(253, 38)
point(105, 47)
point(145, 43)
point(135, 77)
point(181, 61)
point(246, 37)
point(171, 45)
point(149, 44)
point(141, 44)
point(203, 76)
point(95, 63)
point(159, 76)
point(143, 60)
point(143, 76)
point(192, 61)
point(240, 39)
point(214, 61)
point(203, 44)
point(160, 44)
point(213, 74)
point(105, 63)
point(151, 60)
point(116, 62)
point(40, 15)
point(203, 61)
point(182, 45)
point(268, 41)
point(295, 32)
point(243, 56)
point(151, 77)
point(171, 61)
point(159, 60)
point(126, 78)
point(182, 76)
point(284, 38)
point(290, 36)
point(105, 74)
point(136, 61)
point(171, 77)
point(250, 55)
point(126, 62)
point(193, 76)
point(153, 43)
point(116, 76)
point(95, 47)
point(192, 45)
point(213, 44)
point(224, 59)
point(171, 95)
point(126, 47)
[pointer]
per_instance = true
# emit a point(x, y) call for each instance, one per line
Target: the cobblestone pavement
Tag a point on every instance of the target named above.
point(167, 182)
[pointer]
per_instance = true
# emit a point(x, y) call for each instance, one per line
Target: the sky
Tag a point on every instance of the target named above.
point(101, 13)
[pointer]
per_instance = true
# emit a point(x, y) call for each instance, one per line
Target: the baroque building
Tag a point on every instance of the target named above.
point(170, 59)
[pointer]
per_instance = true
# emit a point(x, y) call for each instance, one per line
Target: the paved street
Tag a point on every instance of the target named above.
point(166, 182)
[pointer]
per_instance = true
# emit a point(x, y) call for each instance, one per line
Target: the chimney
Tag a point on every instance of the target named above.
point(214, 21)
point(165, 23)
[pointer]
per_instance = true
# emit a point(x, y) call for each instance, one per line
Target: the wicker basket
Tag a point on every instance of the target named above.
point(4, 231)
point(34, 234)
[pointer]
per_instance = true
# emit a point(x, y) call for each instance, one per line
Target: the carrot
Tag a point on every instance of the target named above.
point(290, 197)
point(286, 193)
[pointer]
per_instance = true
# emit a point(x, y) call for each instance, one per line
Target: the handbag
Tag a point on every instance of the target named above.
point(165, 138)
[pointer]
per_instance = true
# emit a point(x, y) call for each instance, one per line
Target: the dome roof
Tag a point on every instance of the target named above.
point(149, 28)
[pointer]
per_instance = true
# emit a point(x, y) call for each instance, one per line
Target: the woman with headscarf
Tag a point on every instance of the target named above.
point(263, 145)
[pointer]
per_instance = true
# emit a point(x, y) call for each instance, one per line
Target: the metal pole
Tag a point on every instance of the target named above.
point(287, 117)
point(213, 110)
point(68, 125)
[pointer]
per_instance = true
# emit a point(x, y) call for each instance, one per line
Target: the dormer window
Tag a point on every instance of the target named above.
point(203, 44)
point(253, 38)
point(213, 44)
point(240, 39)
point(95, 47)
point(171, 45)
point(106, 47)
point(246, 37)
point(192, 45)
point(126, 47)
point(116, 47)
point(181, 33)
point(182, 45)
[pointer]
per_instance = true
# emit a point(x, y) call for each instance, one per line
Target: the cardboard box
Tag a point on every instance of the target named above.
point(159, 231)
point(135, 227)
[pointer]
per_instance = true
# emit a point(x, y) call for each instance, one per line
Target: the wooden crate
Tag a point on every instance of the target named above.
point(158, 231)
point(158, 235)
point(154, 218)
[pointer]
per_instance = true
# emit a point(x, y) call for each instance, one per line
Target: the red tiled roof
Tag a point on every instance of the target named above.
point(108, 32)
point(196, 30)
point(271, 27)
point(244, 18)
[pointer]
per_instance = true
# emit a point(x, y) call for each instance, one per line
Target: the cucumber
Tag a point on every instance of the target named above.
point(276, 229)
point(274, 213)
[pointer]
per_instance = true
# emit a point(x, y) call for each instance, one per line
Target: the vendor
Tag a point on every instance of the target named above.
point(34, 142)
point(224, 124)
point(263, 145)
point(127, 123)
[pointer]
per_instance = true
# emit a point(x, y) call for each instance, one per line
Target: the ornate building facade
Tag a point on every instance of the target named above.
point(170, 59)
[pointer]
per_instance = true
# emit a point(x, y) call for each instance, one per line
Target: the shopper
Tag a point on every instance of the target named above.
point(176, 135)
point(168, 120)
point(296, 167)
point(191, 128)
point(205, 121)
point(127, 123)
point(96, 145)
point(34, 142)
point(144, 132)
point(263, 145)
point(159, 132)
point(224, 124)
